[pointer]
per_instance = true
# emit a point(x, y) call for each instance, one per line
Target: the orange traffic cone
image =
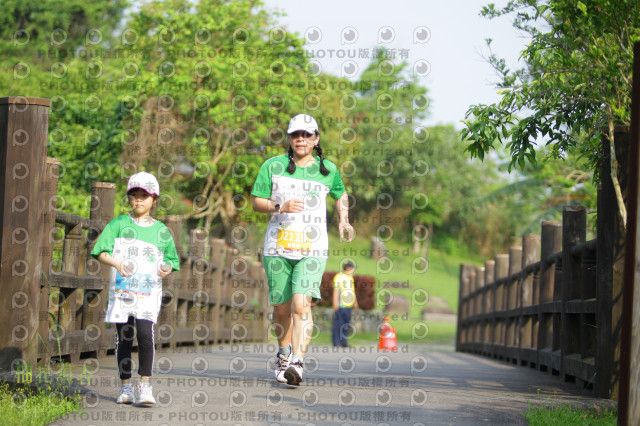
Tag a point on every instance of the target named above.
point(388, 340)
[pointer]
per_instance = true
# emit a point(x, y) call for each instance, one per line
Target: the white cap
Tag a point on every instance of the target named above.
point(145, 181)
point(303, 122)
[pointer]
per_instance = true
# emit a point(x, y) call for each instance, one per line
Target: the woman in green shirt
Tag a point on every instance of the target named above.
point(293, 188)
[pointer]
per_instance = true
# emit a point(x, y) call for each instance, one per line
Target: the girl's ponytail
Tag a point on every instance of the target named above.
point(291, 168)
point(323, 169)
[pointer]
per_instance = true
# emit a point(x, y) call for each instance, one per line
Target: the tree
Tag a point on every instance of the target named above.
point(51, 49)
point(380, 145)
point(43, 26)
point(217, 80)
point(541, 189)
point(575, 86)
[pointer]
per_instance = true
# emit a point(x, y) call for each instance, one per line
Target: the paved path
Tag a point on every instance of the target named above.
point(234, 385)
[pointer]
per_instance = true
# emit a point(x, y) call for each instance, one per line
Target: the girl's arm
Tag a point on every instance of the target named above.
point(342, 205)
point(106, 258)
point(265, 205)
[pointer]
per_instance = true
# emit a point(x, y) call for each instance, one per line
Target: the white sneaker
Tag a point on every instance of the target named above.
point(293, 374)
point(126, 394)
point(282, 362)
point(145, 394)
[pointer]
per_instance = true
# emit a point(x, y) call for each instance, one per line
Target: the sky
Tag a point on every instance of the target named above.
point(443, 41)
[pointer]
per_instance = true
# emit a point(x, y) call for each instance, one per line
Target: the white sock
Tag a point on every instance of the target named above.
point(285, 350)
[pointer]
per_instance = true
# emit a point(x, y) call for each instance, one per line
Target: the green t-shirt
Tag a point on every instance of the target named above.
point(144, 248)
point(304, 234)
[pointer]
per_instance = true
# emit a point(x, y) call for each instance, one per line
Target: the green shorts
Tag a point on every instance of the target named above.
point(287, 277)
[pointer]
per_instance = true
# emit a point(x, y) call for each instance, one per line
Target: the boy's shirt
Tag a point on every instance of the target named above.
point(304, 234)
point(344, 283)
point(145, 248)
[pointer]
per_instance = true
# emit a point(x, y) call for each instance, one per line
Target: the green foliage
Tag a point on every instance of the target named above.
point(542, 189)
point(29, 27)
point(381, 143)
point(199, 93)
point(576, 80)
point(220, 85)
point(56, 50)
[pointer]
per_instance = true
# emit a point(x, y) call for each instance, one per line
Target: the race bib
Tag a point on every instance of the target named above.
point(135, 285)
point(292, 242)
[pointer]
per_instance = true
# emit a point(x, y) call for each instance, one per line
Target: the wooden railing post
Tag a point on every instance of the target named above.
point(556, 349)
point(574, 226)
point(48, 193)
point(241, 290)
point(225, 311)
point(264, 303)
point(68, 308)
point(551, 242)
point(463, 291)
point(103, 198)
point(501, 271)
point(477, 308)
point(167, 321)
point(588, 325)
point(255, 273)
point(195, 305)
point(512, 300)
point(489, 307)
point(528, 318)
point(23, 141)
point(468, 304)
point(218, 257)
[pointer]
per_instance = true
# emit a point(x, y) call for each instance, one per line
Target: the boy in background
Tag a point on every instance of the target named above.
point(344, 299)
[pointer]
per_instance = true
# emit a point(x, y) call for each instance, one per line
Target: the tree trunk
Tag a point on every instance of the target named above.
point(416, 240)
point(614, 175)
point(426, 246)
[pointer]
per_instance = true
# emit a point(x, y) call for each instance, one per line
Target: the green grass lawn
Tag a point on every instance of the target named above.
point(438, 279)
point(33, 408)
point(564, 415)
point(438, 334)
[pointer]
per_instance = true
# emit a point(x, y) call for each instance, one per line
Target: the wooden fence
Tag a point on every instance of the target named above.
point(54, 306)
point(554, 303)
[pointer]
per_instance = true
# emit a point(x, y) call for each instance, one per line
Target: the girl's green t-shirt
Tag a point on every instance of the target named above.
point(143, 249)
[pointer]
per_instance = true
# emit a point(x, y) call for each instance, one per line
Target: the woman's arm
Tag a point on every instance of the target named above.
point(342, 205)
point(265, 205)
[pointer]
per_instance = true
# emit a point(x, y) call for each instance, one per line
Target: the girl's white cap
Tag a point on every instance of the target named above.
point(145, 181)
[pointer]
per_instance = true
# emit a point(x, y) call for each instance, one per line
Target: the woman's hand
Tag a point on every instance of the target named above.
point(292, 206)
point(346, 227)
point(342, 205)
